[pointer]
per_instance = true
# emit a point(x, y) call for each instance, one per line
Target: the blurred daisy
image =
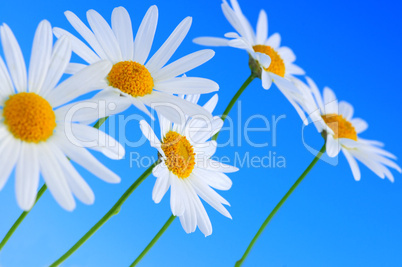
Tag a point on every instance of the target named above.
point(268, 60)
point(133, 79)
point(187, 169)
point(33, 129)
point(335, 121)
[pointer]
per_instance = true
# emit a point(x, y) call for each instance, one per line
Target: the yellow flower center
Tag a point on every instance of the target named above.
point(29, 117)
point(341, 127)
point(277, 66)
point(131, 78)
point(179, 153)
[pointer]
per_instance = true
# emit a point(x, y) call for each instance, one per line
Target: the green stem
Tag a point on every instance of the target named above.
point(21, 218)
point(40, 193)
point(279, 205)
point(234, 99)
point(154, 240)
point(113, 211)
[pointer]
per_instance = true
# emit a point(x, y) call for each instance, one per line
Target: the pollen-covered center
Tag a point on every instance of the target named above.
point(29, 117)
point(277, 65)
point(131, 78)
point(341, 127)
point(179, 153)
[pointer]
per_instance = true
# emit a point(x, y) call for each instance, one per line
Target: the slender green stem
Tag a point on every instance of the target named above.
point(279, 205)
point(40, 193)
point(99, 123)
point(154, 240)
point(234, 99)
point(113, 211)
point(20, 219)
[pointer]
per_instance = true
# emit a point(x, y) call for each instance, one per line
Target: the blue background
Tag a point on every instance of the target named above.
point(331, 220)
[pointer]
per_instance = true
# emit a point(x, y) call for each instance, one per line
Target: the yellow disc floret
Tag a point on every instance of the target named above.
point(131, 78)
point(341, 127)
point(29, 117)
point(277, 65)
point(179, 154)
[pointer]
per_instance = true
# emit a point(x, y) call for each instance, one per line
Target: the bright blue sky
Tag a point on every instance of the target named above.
point(331, 220)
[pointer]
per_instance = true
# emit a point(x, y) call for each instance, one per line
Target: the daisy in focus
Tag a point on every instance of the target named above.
point(133, 78)
point(336, 123)
point(187, 169)
point(268, 60)
point(34, 122)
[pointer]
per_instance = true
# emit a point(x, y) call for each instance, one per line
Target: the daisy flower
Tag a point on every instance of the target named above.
point(341, 131)
point(34, 122)
point(268, 60)
point(133, 79)
point(187, 169)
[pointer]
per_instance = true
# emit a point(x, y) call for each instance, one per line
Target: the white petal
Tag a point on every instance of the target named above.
point(161, 185)
point(55, 178)
point(211, 41)
point(86, 33)
point(205, 150)
point(217, 166)
point(202, 219)
point(274, 41)
point(10, 150)
point(216, 180)
point(6, 86)
point(81, 83)
point(58, 63)
point(164, 53)
point(187, 85)
point(333, 146)
point(189, 218)
point(262, 27)
point(95, 139)
point(359, 124)
point(209, 196)
point(176, 196)
point(103, 104)
point(145, 35)
point(286, 54)
point(211, 104)
point(138, 103)
point(73, 68)
point(27, 176)
point(150, 135)
point(104, 35)
point(15, 60)
point(173, 107)
point(76, 183)
point(184, 64)
point(294, 69)
point(330, 101)
point(353, 164)
point(266, 80)
point(346, 110)
point(40, 56)
point(121, 25)
point(81, 49)
point(316, 93)
point(87, 160)
point(205, 130)
point(374, 166)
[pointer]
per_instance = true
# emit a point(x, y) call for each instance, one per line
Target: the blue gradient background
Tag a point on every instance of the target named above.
point(331, 220)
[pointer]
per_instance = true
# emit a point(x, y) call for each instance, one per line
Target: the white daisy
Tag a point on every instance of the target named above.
point(335, 121)
point(134, 79)
point(33, 127)
point(187, 169)
point(270, 61)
